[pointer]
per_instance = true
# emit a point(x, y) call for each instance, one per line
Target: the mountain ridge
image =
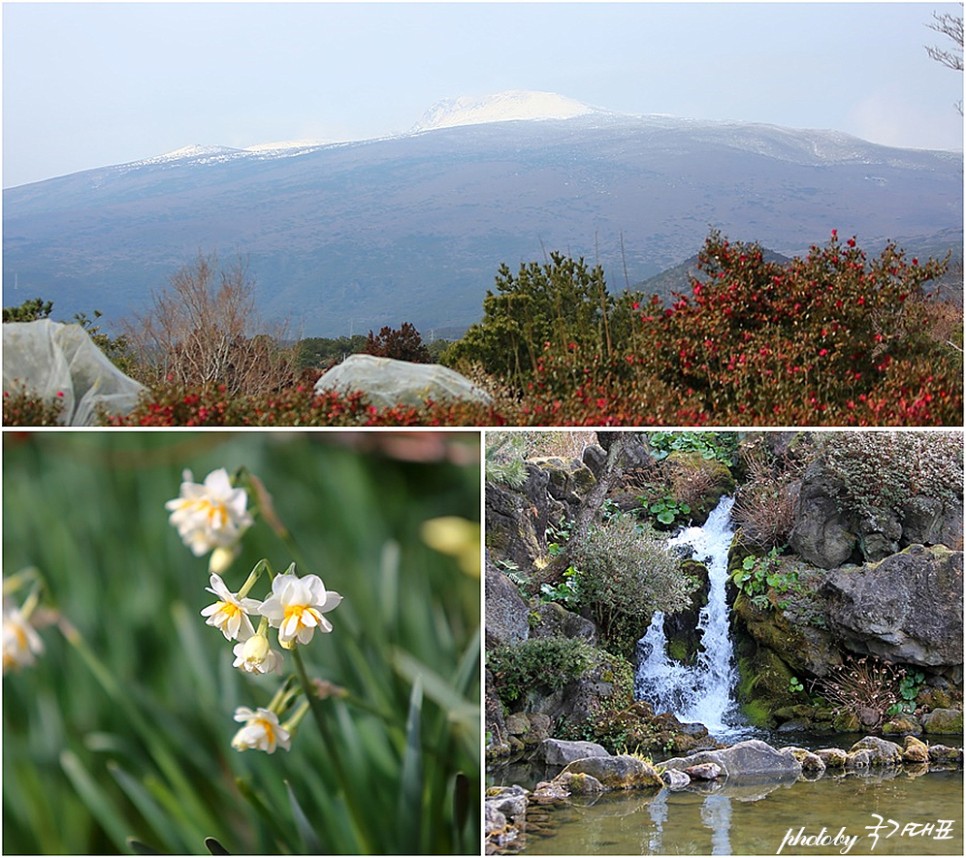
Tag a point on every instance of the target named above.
point(414, 228)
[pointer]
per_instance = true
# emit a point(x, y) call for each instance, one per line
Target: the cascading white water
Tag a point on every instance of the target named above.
point(704, 691)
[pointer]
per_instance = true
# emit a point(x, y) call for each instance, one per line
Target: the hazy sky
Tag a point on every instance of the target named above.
point(87, 85)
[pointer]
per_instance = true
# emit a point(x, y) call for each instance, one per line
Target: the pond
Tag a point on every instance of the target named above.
point(887, 812)
point(898, 814)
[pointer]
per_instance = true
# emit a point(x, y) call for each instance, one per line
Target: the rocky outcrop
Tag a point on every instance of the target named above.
point(505, 810)
point(569, 479)
point(750, 761)
point(517, 519)
point(526, 730)
point(908, 609)
point(681, 628)
point(507, 614)
point(597, 689)
point(822, 534)
point(553, 620)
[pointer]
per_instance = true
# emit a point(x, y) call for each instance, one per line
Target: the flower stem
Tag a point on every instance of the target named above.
point(331, 746)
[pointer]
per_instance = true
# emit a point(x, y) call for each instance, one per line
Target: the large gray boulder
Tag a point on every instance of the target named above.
point(752, 761)
point(620, 772)
point(929, 521)
point(61, 363)
point(557, 752)
point(387, 382)
point(907, 609)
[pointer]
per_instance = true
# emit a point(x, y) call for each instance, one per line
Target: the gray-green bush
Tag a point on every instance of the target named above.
point(627, 573)
point(880, 470)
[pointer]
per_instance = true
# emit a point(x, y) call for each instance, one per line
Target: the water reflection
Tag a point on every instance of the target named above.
point(756, 820)
point(716, 815)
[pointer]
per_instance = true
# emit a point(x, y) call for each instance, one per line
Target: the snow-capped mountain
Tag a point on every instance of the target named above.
point(509, 106)
point(354, 236)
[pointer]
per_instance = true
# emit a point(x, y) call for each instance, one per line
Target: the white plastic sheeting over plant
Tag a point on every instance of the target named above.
point(49, 358)
point(387, 382)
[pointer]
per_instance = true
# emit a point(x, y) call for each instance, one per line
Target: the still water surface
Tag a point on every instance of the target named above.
point(763, 820)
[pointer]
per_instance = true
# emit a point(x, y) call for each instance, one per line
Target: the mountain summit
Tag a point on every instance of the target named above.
point(501, 107)
point(357, 236)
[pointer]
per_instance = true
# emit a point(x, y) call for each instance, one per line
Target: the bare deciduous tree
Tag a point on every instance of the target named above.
point(202, 331)
point(951, 26)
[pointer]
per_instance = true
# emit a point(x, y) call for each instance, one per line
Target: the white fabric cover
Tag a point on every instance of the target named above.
point(48, 357)
point(387, 382)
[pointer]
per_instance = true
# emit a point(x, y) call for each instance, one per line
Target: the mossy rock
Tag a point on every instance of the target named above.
point(902, 725)
point(723, 482)
point(834, 758)
point(943, 721)
point(934, 698)
point(804, 648)
point(763, 686)
point(846, 722)
point(798, 712)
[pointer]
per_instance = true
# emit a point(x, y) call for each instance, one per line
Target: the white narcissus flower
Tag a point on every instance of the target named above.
point(21, 643)
point(261, 731)
point(209, 515)
point(296, 607)
point(230, 613)
point(256, 656)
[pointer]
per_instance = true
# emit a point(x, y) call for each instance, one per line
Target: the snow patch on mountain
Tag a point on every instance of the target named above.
point(501, 107)
point(286, 147)
point(194, 153)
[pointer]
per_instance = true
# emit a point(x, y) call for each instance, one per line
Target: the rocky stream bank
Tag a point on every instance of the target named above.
point(853, 624)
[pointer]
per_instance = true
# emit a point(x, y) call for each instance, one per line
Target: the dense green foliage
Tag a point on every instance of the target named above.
point(831, 338)
point(561, 304)
point(717, 446)
point(537, 663)
point(123, 729)
point(322, 351)
point(29, 311)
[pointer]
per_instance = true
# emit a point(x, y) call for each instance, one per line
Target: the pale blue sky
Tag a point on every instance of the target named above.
point(87, 85)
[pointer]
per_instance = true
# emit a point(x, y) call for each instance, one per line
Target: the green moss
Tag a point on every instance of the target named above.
point(678, 650)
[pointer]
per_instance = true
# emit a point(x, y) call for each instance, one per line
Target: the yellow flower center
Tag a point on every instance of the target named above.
point(217, 514)
point(269, 729)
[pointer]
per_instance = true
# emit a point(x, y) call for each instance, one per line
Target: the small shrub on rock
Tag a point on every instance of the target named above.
point(627, 573)
point(548, 663)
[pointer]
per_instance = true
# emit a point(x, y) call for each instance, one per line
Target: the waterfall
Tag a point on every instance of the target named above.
point(704, 691)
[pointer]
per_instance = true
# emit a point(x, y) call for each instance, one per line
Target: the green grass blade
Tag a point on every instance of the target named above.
point(265, 814)
point(149, 809)
point(409, 813)
point(96, 800)
point(311, 845)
